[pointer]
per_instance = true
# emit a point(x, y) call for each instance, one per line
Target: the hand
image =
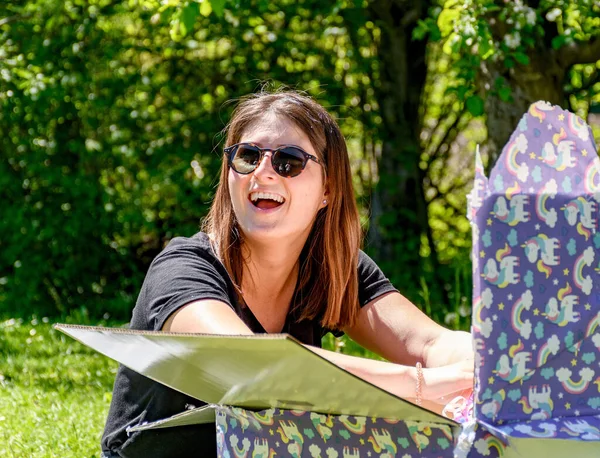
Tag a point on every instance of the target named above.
point(442, 384)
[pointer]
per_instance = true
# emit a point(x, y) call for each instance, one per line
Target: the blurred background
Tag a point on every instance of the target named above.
point(111, 115)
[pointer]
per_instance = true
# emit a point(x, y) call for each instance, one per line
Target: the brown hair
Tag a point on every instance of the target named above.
point(334, 242)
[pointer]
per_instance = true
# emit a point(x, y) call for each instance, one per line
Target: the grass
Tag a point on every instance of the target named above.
point(55, 392)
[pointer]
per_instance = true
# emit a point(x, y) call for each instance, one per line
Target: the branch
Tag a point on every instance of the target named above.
point(580, 53)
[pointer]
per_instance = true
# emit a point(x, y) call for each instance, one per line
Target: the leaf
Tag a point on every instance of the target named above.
point(205, 8)
point(475, 105)
point(188, 17)
point(522, 58)
point(505, 94)
point(446, 21)
point(558, 41)
point(218, 6)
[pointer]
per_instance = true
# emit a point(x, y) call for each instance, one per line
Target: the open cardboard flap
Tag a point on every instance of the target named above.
point(253, 372)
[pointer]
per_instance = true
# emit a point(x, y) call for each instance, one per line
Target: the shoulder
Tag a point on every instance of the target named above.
point(372, 282)
point(196, 247)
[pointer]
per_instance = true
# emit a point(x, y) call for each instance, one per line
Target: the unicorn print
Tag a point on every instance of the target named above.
point(543, 250)
point(564, 314)
point(515, 368)
point(506, 275)
point(383, 441)
point(513, 212)
point(538, 400)
point(491, 408)
point(581, 429)
point(582, 212)
point(558, 154)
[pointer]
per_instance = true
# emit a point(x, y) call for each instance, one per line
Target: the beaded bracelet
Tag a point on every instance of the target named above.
point(419, 383)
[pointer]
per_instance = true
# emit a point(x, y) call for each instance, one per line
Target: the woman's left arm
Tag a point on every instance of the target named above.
point(396, 329)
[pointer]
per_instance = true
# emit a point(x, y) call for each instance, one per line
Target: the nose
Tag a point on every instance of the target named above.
point(265, 167)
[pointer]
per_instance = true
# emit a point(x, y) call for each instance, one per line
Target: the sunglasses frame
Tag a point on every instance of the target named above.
point(232, 150)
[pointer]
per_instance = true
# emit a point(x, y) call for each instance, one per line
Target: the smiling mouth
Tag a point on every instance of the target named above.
point(265, 201)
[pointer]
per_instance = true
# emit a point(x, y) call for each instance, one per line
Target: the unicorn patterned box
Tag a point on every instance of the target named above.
point(296, 433)
point(536, 289)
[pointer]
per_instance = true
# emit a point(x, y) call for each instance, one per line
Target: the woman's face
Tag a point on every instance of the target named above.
point(254, 196)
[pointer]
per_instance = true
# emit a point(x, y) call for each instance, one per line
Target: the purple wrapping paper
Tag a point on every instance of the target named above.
point(536, 288)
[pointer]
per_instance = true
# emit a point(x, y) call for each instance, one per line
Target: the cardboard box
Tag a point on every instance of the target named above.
point(269, 394)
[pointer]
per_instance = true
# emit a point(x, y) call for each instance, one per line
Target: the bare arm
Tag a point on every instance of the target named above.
point(215, 317)
point(396, 329)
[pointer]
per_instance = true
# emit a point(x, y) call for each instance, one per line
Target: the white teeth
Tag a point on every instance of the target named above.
point(254, 196)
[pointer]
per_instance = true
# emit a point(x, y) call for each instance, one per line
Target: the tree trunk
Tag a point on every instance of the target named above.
point(542, 79)
point(399, 211)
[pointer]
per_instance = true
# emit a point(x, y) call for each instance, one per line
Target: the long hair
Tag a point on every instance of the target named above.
point(328, 276)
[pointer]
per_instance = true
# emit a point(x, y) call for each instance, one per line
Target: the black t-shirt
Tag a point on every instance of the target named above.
point(185, 271)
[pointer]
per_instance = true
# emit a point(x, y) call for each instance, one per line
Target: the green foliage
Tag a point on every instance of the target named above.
point(476, 31)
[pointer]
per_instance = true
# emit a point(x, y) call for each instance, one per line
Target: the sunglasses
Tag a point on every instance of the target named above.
point(287, 160)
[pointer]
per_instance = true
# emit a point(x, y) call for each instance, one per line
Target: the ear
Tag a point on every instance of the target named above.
point(325, 200)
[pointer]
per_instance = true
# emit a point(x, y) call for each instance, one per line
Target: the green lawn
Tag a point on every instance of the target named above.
point(55, 392)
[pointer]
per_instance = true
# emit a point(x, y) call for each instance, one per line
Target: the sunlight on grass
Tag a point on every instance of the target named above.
point(54, 393)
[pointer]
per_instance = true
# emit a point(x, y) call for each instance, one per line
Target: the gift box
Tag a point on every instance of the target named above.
point(271, 396)
point(536, 290)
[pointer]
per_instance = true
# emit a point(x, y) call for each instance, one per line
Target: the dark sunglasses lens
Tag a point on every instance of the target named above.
point(245, 159)
point(288, 162)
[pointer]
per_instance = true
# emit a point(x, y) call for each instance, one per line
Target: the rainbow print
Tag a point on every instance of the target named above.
point(572, 387)
point(493, 442)
point(593, 325)
point(546, 216)
point(512, 166)
point(591, 182)
point(523, 328)
point(578, 126)
point(583, 283)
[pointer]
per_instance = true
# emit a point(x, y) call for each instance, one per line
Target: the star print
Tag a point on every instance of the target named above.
point(561, 117)
point(532, 155)
point(588, 306)
point(577, 413)
point(362, 442)
point(482, 254)
point(495, 317)
point(549, 126)
point(531, 189)
point(555, 281)
point(573, 362)
point(566, 271)
point(277, 444)
point(271, 432)
point(534, 347)
point(537, 227)
point(584, 152)
point(369, 453)
point(501, 306)
point(536, 312)
point(491, 380)
point(568, 406)
point(489, 221)
point(491, 351)
point(500, 422)
point(510, 296)
point(560, 395)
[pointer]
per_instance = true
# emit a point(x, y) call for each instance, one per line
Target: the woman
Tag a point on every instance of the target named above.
point(280, 252)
